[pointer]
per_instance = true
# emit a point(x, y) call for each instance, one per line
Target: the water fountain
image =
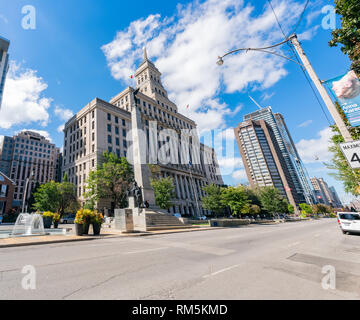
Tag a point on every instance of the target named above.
point(28, 225)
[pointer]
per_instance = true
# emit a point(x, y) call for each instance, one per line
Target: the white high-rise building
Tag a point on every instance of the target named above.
point(4, 64)
point(106, 126)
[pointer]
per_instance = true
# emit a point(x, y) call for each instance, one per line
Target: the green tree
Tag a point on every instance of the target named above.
point(253, 196)
point(291, 209)
point(321, 208)
point(342, 171)
point(236, 199)
point(55, 197)
point(31, 200)
point(164, 191)
point(271, 200)
point(254, 209)
point(306, 208)
point(212, 199)
point(67, 197)
point(47, 197)
point(111, 181)
point(349, 33)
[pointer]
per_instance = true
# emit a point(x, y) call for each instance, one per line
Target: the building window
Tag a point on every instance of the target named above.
point(109, 117)
point(109, 139)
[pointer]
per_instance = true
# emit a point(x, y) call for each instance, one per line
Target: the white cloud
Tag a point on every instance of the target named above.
point(63, 114)
point(23, 100)
point(308, 34)
point(305, 124)
point(41, 132)
point(316, 150)
point(233, 162)
point(240, 175)
point(60, 128)
point(267, 96)
point(185, 46)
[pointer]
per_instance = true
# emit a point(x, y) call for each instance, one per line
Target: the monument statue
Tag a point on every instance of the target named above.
point(135, 191)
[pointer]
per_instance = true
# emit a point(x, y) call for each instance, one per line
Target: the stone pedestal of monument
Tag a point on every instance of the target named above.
point(124, 220)
point(131, 219)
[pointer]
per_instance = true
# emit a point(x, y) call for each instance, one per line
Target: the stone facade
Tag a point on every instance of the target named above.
point(106, 126)
point(7, 187)
point(29, 155)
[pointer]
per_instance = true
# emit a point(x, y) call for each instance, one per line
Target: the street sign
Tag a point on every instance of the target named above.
point(351, 151)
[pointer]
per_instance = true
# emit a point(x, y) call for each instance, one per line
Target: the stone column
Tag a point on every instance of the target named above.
point(141, 169)
point(177, 186)
point(188, 194)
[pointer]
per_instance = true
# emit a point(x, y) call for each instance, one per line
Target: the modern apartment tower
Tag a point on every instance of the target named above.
point(263, 159)
point(4, 64)
point(303, 188)
point(6, 154)
point(107, 126)
point(28, 155)
point(288, 150)
point(325, 194)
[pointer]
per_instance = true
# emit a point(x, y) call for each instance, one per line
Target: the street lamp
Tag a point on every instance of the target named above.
point(305, 65)
point(26, 190)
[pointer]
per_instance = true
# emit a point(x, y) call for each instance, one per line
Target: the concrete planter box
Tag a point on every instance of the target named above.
point(229, 222)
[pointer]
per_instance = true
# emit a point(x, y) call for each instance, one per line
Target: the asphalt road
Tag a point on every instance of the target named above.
point(258, 262)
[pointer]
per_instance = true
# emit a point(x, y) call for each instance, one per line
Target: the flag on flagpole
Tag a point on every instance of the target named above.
point(187, 107)
point(131, 77)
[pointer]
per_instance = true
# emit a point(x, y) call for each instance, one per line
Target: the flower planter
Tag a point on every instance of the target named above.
point(56, 224)
point(96, 228)
point(79, 229)
point(86, 226)
point(47, 222)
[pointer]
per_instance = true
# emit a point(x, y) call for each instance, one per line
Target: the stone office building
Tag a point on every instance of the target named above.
point(28, 155)
point(106, 126)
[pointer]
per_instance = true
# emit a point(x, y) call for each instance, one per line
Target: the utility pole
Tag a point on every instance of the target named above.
point(323, 93)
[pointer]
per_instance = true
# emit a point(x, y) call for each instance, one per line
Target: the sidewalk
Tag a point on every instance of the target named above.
point(105, 234)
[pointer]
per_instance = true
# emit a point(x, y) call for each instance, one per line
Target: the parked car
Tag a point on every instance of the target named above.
point(68, 219)
point(1, 219)
point(349, 222)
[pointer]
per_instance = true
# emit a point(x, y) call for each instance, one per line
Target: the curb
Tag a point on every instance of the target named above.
point(12, 245)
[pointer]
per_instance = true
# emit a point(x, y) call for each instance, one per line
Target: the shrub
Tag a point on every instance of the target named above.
point(48, 214)
point(97, 218)
point(84, 216)
point(56, 217)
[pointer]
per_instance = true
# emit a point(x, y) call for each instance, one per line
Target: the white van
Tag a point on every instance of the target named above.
point(349, 222)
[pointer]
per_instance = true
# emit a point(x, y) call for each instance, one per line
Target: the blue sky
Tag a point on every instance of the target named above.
point(84, 49)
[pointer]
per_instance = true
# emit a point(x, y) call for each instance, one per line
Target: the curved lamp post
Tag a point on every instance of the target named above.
point(311, 72)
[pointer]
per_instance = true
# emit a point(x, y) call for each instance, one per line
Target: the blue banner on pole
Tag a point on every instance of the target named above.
point(346, 89)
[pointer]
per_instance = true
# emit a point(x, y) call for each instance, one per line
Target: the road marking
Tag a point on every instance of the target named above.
point(220, 271)
point(147, 250)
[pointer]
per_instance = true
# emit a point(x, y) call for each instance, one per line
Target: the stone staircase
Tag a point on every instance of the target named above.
point(162, 221)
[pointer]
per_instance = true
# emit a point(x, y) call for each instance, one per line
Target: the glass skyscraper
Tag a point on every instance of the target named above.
point(4, 64)
point(288, 150)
